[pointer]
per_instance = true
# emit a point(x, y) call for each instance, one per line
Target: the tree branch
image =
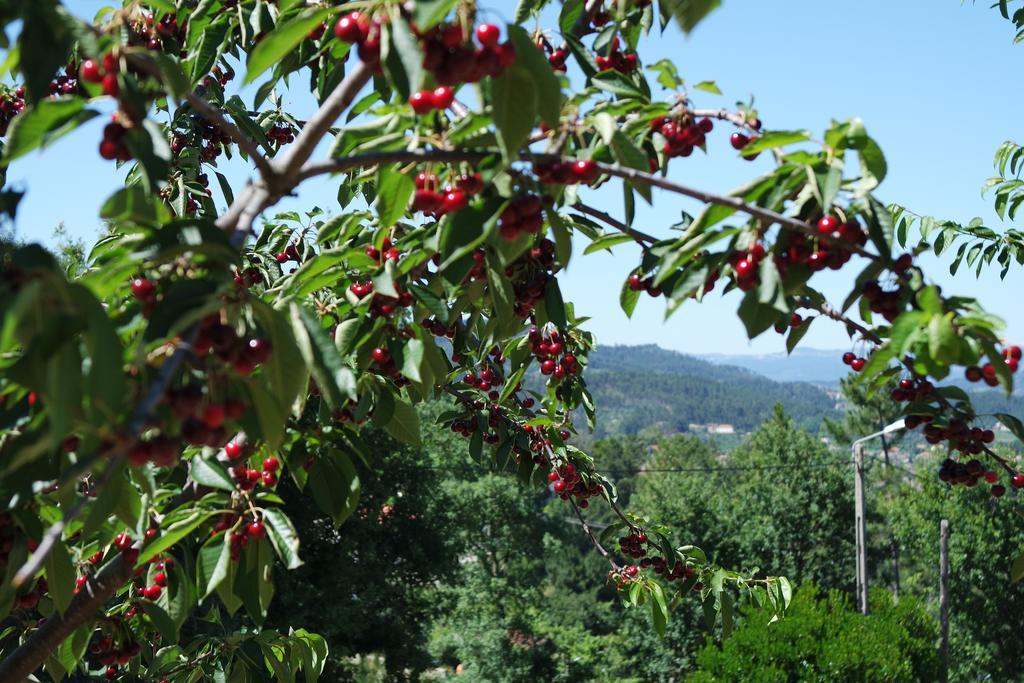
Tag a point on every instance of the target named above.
point(20, 663)
point(632, 175)
point(642, 238)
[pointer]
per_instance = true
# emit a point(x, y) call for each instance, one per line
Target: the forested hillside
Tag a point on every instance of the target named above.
point(639, 386)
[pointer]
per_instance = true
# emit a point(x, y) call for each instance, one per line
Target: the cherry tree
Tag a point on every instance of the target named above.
point(152, 404)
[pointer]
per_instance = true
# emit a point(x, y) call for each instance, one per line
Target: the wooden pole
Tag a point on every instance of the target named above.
point(944, 597)
point(861, 525)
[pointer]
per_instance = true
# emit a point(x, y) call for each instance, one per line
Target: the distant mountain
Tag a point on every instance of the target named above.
point(640, 386)
point(818, 366)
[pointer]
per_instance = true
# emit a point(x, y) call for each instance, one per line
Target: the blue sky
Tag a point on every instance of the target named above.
point(932, 81)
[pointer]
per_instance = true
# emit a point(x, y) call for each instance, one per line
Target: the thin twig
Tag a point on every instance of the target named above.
point(641, 237)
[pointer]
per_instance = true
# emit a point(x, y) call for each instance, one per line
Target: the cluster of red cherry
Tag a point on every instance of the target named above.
point(987, 372)
point(246, 477)
point(103, 72)
point(451, 198)
point(111, 653)
point(745, 266)
point(12, 103)
point(252, 530)
point(910, 390)
point(961, 437)
point(887, 303)
point(452, 59)
point(426, 101)
point(854, 361)
point(971, 472)
point(623, 62)
point(584, 172)
point(151, 32)
point(682, 137)
point(530, 274)
point(281, 133)
point(523, 215)
point(551, 351)
point(567, 482)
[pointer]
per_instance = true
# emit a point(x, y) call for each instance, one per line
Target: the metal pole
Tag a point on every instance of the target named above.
point(944, 597)
point(861, 524)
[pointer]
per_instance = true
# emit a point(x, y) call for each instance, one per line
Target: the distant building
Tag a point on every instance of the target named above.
point(712, 428)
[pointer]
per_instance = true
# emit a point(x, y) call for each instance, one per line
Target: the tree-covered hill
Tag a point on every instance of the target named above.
point(640, 386)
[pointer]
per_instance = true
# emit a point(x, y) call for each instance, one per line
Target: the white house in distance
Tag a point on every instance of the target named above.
point(712, 428)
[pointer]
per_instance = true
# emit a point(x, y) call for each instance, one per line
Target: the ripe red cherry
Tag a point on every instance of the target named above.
point(488, 34)
point(111, 86)
point(142, 288)
point(828, 225)
point(1017, 481)
point(442, 97)
point(988, 370)
point(269, 478)
point(421, 102)
point(858, 364)
point(453, 201)
point(848, 357)
point(547, 367)
point(744, 268)
point(998, 490)
point(282, 257)
point(213, 415)
point(381, 355)
point(109, 149)
point(160, 579)
point(991, 477)
point(560, 486)
point(233, 449)
point(973, 373)
point(152, 592)
point(1014, 352)
point(352, 28)
point(271, 464)
point(739, 140)
point(91, 71)
point(256, 529)
point(585, 171)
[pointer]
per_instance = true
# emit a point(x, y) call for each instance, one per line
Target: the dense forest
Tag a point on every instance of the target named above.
point(447, 570)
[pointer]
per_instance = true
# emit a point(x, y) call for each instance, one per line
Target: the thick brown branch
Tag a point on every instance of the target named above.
point(20, 664)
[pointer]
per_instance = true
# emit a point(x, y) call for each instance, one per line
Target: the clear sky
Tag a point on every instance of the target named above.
point(933, 81)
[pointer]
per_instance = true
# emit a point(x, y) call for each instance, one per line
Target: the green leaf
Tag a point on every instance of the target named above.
point(60, 575)
point(524, 8)
point(394, 190)
point(514, 109)
point(282, 41)
point(628, 299)
point(171, 72)
point(708, 86)
point(618, 84)
point(1017, 570)
point(1013, 424)
point(401, 56)
point(172, 534)
point(787, 591)
point(208, 472)
point(553, 304)
point(336, 380)
point(41, 124)
point(334, 483)
point(429, 13)
point(163, 622)
point(545, 83)
point(659, 608)
point(283, 536)
point(688, 13)
point(404, 424)
point(45, 45)
point(212, 563)
point(775, 138)
point(943, 343)
point(283, 370)
point(133, 204)
point(607, 242)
